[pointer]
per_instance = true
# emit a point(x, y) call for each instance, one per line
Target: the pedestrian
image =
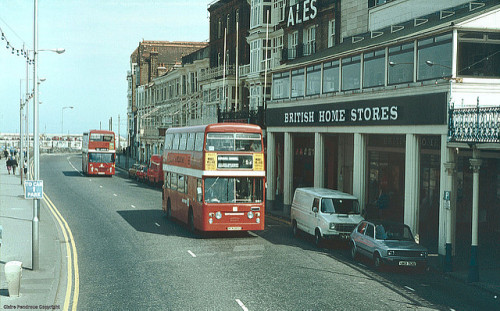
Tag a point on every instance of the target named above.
point(25, 167)
point(9, 164)
point(14, 165)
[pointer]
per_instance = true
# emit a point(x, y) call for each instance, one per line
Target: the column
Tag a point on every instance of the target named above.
point(340, 166)
point(319, 160)
point(359, 169)
point(475, 164)
point(271, 168)
point(288, 170)
point(412, 182)
point(448, 259)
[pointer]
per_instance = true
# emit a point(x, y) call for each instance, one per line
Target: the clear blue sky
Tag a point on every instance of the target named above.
point(99, 37)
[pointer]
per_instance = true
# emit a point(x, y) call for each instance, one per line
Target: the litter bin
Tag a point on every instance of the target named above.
point(13, 271)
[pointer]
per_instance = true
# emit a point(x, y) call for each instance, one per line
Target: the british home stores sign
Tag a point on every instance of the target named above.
point(429, 109)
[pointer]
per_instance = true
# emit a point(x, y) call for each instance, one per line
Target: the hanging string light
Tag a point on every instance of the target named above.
point(20, 52)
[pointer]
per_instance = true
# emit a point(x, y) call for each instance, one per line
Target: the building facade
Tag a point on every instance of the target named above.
point(407, 110)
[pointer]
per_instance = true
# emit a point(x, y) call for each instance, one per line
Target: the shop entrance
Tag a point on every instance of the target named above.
point(303, 162)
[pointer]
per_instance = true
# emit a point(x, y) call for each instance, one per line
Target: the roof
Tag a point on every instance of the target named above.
point(324, 192)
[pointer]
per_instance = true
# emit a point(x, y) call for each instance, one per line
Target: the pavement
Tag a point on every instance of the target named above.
point(488, 259)
point(40, 288)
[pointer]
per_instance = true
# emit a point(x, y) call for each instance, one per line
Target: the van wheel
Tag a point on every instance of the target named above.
point(317, 238)
point(295, 230)
point(191, 220)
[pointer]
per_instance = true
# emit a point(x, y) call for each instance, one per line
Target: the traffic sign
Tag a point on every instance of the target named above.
point(33, 189)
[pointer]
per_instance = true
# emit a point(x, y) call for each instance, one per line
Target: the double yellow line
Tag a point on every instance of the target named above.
point(71, 255)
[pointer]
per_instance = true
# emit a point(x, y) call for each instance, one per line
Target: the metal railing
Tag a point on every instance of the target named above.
point(251, 117)
point(474, 125)
point(217, 72)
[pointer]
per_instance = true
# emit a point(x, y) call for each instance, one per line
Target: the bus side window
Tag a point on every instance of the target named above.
point(167, 180)
point(199, 188)
point(181, 184)
point(168, 141)
point(175, 145)
point(173, 181)
point(199, 141)
point(190, 142)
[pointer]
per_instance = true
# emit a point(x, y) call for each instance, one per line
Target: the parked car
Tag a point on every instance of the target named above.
point(388, 243)
point(133, 170)
point(324, 213)
point(140, 175)
point(155, 170)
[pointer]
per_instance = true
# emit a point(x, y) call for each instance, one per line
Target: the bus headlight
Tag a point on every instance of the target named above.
point(218, 215)
point(257, 220)
point(210, 220)
point(250, 215)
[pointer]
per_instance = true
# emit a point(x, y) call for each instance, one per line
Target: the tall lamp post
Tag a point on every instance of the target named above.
point(62, 118)
point(35, 252)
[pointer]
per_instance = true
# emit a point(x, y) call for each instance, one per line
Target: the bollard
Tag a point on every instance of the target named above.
point(13, 271)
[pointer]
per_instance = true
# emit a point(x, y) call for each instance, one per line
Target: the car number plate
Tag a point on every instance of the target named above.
point(408, 263)
point(233, 228)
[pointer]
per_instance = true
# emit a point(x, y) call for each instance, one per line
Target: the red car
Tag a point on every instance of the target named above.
point(140, 175)
point(155, 170)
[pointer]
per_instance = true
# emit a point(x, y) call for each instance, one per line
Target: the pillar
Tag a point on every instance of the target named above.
point(475, 164)
point(288, 170)
point(319, 160)
point(359, 169)
point(448, 259)
point(412, 182)
point(340, 162)
point(271, 167)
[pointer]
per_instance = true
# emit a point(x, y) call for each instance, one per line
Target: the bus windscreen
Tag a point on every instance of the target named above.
point(234, 190)
point(234, 142)
point(95, 157)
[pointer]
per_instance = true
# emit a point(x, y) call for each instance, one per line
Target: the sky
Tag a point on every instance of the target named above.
point(99, 36)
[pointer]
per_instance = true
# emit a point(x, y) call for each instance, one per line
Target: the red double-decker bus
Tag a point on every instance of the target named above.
point(98, 153)
point(215, 177)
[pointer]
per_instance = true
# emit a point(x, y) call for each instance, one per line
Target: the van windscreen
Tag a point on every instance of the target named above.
point(339, 206)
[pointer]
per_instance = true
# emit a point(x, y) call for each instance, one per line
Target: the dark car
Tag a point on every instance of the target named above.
point(388, 243)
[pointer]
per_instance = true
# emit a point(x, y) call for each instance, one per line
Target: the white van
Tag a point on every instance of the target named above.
point(324, 213)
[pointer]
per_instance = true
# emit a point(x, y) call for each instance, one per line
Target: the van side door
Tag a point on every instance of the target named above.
point(312, 219)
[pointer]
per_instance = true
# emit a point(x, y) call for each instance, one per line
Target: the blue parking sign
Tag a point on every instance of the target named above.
point(33, 189)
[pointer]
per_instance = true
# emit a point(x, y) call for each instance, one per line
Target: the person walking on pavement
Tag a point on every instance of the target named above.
point(14, 165)
point(9, 164)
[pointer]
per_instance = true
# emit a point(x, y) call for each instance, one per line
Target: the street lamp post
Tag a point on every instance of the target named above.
point(36, 141)
point(62, 118)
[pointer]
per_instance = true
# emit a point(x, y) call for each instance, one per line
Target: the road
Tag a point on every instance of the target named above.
point(131, 258)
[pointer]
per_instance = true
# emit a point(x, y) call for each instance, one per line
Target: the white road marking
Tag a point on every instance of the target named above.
point(241, 305)
point(191, 253)
point(100, 186)
point(409, 288)
point(73, 166)
point(252, 234)
point(133, 206)
point(115, 194)
point(157, 224)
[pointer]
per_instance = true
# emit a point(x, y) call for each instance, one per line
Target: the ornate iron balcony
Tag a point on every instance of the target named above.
point(474, 125)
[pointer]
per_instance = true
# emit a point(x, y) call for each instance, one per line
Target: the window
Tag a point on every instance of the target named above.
point(281, 85)
point(234, 142)
point(351, 73)
point(190, 141)
point(168, 184)
point(331, 77)
point(101, 157)
point(401, 61)
point(173, 181)
point(181, 185)
point(297, 83)
point(198, 146)
point(331, 33)
point(175, 144)
point(309, 37)
point(313, 80)
point(234, 190)
point(434, 57)
point(315, 205)
point(370, 231)
point(374, 68)
point(183, 140)
point(254, 56)
point(168, 141)
point(479, 54)
point(293, 41)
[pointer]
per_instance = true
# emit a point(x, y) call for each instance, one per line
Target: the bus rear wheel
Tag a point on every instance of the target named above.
point(191, 220)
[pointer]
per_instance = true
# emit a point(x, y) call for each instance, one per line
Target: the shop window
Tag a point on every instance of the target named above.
point(331, 77)
point(281, 85)
point(401, 61)
point(351, 73)
point(374, 68)
point(479, 55)
point(297, 83)
point(313, 80)
point(434, 57)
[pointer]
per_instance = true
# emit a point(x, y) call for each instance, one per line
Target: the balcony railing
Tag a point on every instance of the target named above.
point(474, 125)
point(217, 72)
point(251, 117)
point(244, 70)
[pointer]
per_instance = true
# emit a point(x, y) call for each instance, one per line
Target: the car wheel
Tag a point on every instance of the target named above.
point(377, 262)
point(295, 230)
point(354, 252)
point(317, 238)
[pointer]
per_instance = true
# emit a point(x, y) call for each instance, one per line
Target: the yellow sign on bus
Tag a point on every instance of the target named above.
point(210, 161)
point(258, 162)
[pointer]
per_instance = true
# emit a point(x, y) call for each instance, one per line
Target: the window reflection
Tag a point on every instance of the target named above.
point(313, 80)
point(234, 190)
point(401, 58)
point(298, 83)
point(436, 51)
point(374, 68)
point(351, 73)
point(331, 77)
